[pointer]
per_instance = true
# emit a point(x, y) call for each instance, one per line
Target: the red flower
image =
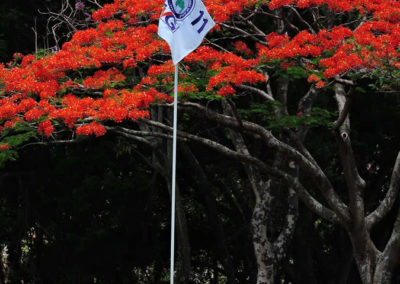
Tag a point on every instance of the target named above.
point(226, 91)
point(46, 128)
point(93, 128)
point(5, 147)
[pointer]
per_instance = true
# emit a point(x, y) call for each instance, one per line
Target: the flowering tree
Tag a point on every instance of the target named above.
point(107, 79)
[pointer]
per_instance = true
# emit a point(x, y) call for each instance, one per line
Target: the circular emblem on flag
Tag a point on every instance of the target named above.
point(181, 8)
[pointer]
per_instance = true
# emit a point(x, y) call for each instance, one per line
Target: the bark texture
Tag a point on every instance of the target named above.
point(374, 265)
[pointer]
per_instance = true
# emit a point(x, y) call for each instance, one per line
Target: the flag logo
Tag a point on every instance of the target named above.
point(175, 11)
point(181, 8)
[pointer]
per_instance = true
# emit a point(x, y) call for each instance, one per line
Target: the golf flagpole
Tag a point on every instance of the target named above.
point(183, 25)
point(174, 138)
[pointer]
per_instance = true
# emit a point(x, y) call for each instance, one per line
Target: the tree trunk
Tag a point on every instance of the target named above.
point(382, 274)
point(268, 254)
point(262, 247)
point(374, 270)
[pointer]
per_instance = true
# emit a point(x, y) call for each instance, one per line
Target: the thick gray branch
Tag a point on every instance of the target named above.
point(272, 172)
point(354, 182)
point(257, 91)
point(309, 167)
point(344, 109)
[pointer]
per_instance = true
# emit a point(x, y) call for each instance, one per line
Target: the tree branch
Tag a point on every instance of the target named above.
point(310, 28)
point(344, 111)
point(257, 91)
point(354, 182)
point(272, 172)
point(391, 195)
point(309, 167)
point(243, 32)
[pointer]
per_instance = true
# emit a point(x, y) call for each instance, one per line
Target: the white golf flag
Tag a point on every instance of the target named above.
point(183, 25)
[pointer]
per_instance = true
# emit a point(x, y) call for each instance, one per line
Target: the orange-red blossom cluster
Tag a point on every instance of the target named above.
point(87, 82)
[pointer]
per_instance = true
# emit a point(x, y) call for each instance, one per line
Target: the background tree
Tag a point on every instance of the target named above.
point(277, 54)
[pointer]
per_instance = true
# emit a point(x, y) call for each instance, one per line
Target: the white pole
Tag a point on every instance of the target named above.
point(174, 176)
